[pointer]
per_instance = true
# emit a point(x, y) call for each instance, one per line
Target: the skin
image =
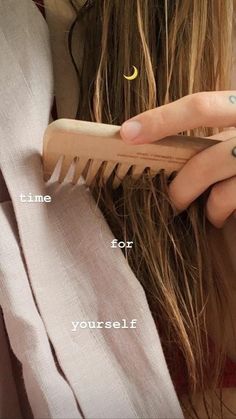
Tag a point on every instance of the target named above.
point(215, 166)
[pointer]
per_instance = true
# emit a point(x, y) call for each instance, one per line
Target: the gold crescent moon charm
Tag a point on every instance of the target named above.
point(133, 76)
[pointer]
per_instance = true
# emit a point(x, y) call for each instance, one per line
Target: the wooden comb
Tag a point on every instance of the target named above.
point(95, 148)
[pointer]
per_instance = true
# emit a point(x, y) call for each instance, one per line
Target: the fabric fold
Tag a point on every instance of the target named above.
point(48, 393)
point(73, 273)
point(9, 401)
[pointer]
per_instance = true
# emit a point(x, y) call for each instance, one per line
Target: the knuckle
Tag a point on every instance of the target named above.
point(218, 195)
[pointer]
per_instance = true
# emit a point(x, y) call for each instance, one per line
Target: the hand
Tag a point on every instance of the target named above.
point(215, 166)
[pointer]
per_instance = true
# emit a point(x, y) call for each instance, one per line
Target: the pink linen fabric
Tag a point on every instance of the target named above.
point(57, 267)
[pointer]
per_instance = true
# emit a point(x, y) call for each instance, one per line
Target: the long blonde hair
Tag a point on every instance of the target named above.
point(179, 50)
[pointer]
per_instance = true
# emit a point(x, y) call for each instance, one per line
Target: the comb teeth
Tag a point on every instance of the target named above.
point(96, 148)
point(80, 165)
point(50, 165)
point(137, 171)
point(109, 167)
point(94, 166)
point(66, 163)
point(89, 168)
point(120, 173)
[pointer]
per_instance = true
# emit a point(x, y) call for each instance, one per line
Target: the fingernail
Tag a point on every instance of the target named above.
point(130, 130)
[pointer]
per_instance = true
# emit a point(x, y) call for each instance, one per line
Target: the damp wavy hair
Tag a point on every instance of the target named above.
point(179, 50)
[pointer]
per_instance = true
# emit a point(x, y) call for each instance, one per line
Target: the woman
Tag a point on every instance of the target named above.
point(184, 229)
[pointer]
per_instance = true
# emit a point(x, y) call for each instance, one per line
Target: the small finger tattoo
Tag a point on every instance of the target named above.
point(232, 99)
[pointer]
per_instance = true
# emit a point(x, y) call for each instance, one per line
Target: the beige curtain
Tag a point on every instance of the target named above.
point(57, 267)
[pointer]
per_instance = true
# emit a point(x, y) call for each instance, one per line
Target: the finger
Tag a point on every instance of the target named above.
point(221, 202)
point(206, 168)
point(209, 109)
